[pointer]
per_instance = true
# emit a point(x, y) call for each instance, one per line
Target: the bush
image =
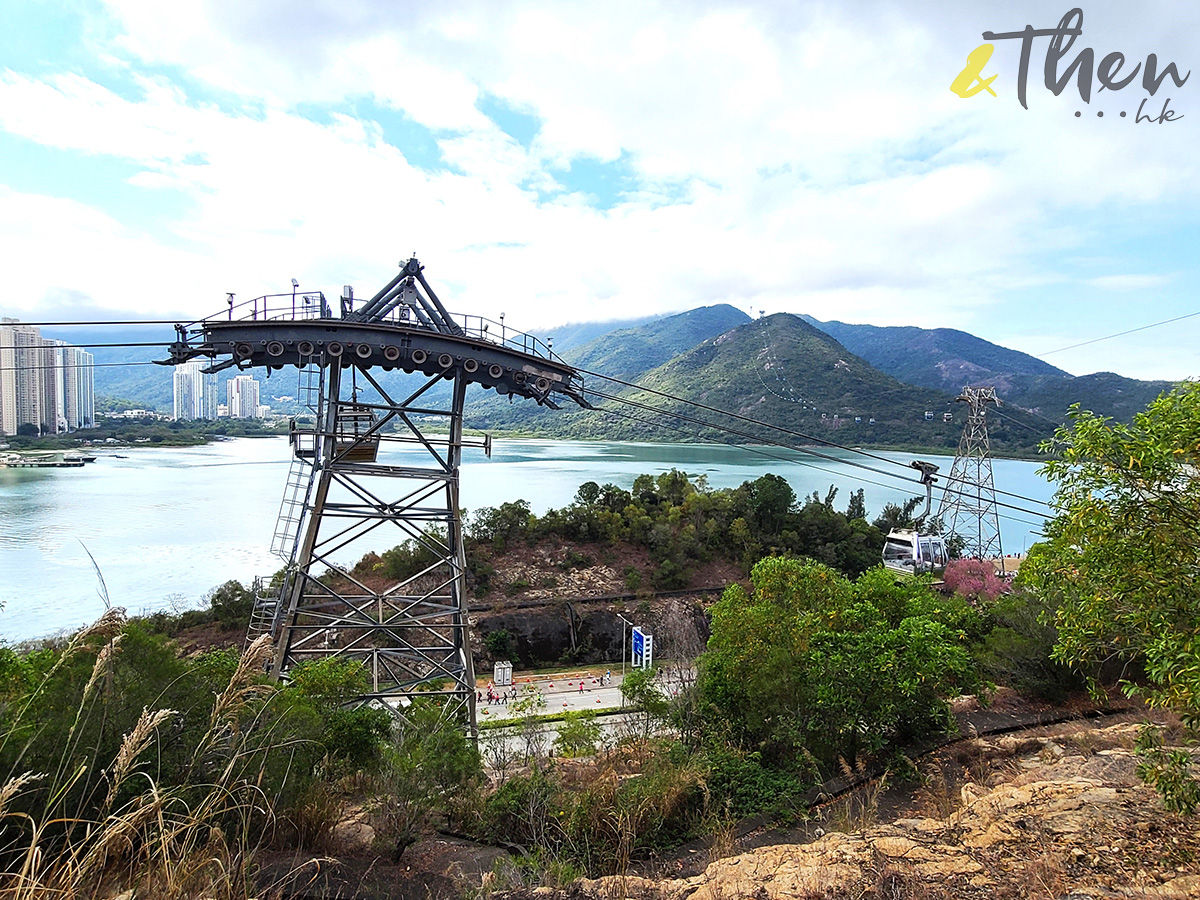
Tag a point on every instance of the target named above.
point(810, 663)
point(352, 737)
point(231, 604)
point(578, 735)
point(500, 645)
point(1017, 650)
point(1168, 771)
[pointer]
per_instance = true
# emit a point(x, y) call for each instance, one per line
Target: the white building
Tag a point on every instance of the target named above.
point(243, 397)
point(195, 392)
point(44, 383)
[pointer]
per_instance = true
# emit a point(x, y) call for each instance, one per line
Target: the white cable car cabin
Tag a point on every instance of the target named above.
point(911, 553)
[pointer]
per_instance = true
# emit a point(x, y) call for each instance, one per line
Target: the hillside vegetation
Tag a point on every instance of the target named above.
point(946, 359)
point(781, 371)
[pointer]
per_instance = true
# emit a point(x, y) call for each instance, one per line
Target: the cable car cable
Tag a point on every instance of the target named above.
point(799, 462)
point(705, 424)
point(1119, 334)
point(749, 420)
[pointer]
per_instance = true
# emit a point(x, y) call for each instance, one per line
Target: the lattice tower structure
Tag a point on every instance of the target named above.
point(367, 476)
point(968, 507)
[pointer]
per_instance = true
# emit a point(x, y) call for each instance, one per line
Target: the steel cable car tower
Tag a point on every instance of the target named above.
point(969, 503)
point(360, 467)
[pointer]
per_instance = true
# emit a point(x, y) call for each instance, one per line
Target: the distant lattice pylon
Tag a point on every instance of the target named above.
point(969, 503)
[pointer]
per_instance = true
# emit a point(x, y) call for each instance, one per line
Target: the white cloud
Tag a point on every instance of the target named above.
point(1129, 282)
point(808, 158)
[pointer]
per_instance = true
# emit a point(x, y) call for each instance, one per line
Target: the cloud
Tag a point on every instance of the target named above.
point(806, 158)
point(1129, 282)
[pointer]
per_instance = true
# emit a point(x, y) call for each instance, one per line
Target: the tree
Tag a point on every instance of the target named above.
point(894, 517)
point(812, 665)
point(231, 603)
point(650, 706)
point(974, 579)
point(1121, 554)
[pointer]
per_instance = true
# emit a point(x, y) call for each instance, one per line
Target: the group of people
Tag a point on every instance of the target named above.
point(494, 697)
point(501, 698)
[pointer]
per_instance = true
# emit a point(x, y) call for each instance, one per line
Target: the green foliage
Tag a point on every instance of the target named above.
point(405, 560)
point(740, 785)
point(1121, 554)
point(1016, 650)
point(124, 737)
point(811, 664)
point(600, 825)
point(501, 525)
point(353, 737)
point(682, 523)
point(649, 705)
point(1170, 772)
point(231, 604)
point(500, 645)
point(578, 735)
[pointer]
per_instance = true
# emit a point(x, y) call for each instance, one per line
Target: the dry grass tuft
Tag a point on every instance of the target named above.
point(145, 840)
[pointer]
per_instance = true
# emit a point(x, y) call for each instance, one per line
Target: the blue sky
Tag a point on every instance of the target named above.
point(559, 164)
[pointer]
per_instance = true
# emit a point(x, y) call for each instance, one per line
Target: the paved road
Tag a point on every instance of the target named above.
point(560, 696)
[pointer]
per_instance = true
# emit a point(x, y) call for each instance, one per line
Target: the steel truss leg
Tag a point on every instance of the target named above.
point(376, 487)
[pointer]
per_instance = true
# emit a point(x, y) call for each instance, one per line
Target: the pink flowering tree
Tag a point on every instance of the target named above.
point(974, 579)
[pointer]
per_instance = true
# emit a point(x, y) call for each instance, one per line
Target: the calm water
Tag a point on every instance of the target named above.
point(167, 525)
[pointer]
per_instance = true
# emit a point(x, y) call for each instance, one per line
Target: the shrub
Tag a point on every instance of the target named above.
point(578, 735)
point(231, 604)
point(974, 579)
point(1017, 650)
point(1168, 771)
point(811, 663)
point(500, 645)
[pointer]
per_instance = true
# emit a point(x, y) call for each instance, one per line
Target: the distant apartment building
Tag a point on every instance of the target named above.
point(195, 392)
point(243, 397)
point(44, 384)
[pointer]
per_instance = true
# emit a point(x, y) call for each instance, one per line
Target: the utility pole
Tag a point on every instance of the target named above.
point(630, 624)
point(969, 503)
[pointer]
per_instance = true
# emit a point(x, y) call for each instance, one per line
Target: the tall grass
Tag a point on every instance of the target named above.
point(85, 813)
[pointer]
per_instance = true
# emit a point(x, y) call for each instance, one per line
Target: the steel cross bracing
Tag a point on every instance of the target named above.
point(368, 476)
point(969, 503)
point(410, 633)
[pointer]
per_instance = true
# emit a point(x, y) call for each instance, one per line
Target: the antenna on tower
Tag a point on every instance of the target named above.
point(969, 503)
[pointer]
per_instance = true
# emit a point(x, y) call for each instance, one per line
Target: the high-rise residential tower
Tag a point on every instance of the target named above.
point(45, 384)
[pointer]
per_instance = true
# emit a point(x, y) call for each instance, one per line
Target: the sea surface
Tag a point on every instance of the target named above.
point(163, 526)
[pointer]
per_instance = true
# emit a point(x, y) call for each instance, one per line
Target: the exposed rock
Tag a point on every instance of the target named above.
point(1049, 831)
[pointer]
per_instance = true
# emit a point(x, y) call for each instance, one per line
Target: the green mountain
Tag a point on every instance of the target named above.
point(628, 352)
point(623, 353)
point(946, 359)
point(778, 370)
point(576, 334)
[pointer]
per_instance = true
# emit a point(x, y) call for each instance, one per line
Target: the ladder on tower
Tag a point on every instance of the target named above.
point(291, 509)
point(262, 615)
point(300, 475)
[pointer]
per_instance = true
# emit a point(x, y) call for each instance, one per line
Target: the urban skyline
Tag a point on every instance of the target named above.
point(45, 384)
point(195, 392)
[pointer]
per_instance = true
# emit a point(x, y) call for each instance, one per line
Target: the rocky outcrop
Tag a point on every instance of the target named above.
point(1061, 818)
